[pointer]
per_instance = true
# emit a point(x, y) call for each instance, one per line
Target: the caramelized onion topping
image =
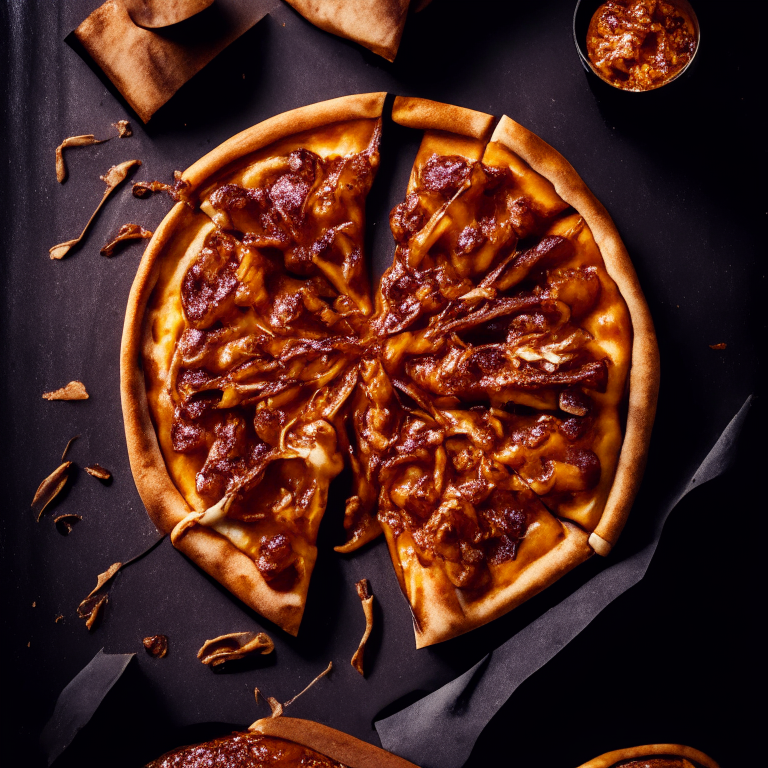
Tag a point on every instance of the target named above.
point(457, 398)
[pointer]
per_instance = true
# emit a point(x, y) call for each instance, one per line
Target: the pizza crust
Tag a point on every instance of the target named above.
point(164, 502)
point(426, 115)
point(609, 759)
point(441, 611)
point(337, 745)
point(644, 372)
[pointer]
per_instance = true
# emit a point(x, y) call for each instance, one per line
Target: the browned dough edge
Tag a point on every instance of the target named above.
point(329, 742)
point(426, 115)
point(677, 750)
point(644, 370)
point(374, 24)
point(540, 574)
point(165, 505)
point(361, 105)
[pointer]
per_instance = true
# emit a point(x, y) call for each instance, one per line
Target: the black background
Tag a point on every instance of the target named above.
point(678, 658)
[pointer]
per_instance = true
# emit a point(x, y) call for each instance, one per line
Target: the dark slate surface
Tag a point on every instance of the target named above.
point(672, 660)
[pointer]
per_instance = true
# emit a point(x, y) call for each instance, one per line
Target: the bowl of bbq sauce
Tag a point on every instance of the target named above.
point(636, 46)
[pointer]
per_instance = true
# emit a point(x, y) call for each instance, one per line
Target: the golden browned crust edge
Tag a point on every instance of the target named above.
point(165, 505)
point(678, 750)
point(329, 742)
point(361, 105)
point(644, 371)
point(427, 115)
point(540, 574)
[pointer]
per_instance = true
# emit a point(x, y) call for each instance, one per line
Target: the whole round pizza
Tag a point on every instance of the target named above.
point(492, 396)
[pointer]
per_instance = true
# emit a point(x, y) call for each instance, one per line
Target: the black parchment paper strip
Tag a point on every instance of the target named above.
point(440, 730)
point(79, 701)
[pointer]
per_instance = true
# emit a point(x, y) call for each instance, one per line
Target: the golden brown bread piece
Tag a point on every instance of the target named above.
point(375, 24)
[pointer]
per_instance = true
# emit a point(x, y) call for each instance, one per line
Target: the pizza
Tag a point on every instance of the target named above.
point(653, 756)
point(283, 742)
point(493, 397)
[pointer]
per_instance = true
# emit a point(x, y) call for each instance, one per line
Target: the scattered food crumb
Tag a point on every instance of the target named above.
point(90, 607)
point(50, 488)
point(235, 645)
point(65, 523)
point(126, 232)
point(366, 598)
point(66, 449)
point(75, 390)
point(124, 129)
point(71, 141)
point(96, 470)
point(115, 176)
point(156, 645)
point(721, 345)
point(59, 618)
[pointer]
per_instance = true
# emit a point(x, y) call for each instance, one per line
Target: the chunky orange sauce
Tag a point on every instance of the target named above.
point(639, 45)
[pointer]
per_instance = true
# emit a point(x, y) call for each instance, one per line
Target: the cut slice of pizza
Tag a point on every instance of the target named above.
point(506, 346)
point(239, 344)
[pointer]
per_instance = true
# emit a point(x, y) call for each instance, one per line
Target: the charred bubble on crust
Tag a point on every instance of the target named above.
point(242, 750)
point(156, 645)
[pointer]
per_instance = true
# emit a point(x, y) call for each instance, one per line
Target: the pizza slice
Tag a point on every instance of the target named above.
point(506, 347)
point(239, 346)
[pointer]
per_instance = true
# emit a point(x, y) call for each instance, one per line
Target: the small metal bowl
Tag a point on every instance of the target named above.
point(582, 15)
